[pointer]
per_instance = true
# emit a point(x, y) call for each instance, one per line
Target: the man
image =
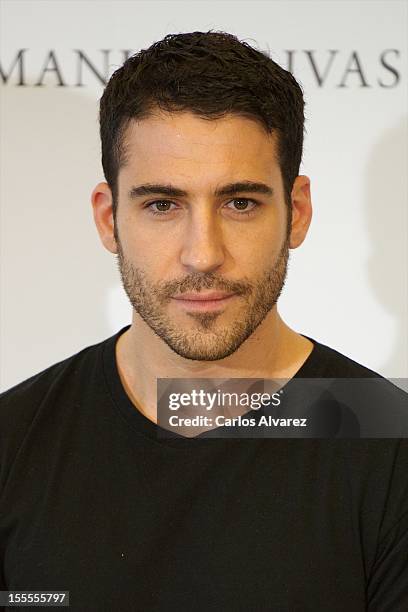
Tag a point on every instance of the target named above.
point(201, 145)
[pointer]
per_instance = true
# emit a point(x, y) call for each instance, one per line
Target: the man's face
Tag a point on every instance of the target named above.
point(208, 234)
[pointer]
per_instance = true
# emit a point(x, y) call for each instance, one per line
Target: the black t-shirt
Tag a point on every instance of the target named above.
point(94, 502)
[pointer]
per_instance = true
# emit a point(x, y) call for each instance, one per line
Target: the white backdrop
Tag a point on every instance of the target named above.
point(348, 283)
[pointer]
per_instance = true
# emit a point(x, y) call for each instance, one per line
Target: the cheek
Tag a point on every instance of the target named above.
point(147, 251)
point(261, 245)
point(257, 259)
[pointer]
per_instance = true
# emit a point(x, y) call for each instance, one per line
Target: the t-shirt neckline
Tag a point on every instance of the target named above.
point(145, 426)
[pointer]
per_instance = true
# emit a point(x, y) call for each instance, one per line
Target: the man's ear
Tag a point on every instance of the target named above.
point(103, 215)
point(301, 211)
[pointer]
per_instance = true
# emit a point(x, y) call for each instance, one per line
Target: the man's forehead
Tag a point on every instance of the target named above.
point(186, 128)
point(227, 149)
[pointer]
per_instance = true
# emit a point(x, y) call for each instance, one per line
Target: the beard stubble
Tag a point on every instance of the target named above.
point(207, 339)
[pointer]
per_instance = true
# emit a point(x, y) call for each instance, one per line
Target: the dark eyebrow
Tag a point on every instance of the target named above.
point(174, 192)
point(150, 189)
point(244, 186)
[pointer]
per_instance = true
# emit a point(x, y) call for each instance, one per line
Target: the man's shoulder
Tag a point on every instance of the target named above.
point(45, 401)
point(327, 362)
point(41, 380)
point(379, 404)
point(20, 403)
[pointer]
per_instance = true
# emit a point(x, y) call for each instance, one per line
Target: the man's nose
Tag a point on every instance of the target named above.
point(203, 248)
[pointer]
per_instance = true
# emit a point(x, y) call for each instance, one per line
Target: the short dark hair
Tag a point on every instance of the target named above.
point(210, 74)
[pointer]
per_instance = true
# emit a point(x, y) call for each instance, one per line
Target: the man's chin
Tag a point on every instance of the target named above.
point(203, 345)
point(194, 353)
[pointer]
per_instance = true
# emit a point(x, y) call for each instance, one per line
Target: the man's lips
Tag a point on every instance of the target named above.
point(214, 300)
point(201, 297)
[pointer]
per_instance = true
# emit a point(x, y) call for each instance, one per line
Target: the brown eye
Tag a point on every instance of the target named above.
point(162, 207)
point(240, 206)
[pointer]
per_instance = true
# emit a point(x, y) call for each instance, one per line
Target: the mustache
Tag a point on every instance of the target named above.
point(165, 290)
point(196, 283)
point(192, 283)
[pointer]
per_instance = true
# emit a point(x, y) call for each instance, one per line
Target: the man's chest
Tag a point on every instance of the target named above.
point(160, 535)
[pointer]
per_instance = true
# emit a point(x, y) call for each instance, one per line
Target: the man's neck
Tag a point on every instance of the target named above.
point(272, 351)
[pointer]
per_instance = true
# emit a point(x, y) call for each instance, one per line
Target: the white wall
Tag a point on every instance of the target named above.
point(347, 287)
